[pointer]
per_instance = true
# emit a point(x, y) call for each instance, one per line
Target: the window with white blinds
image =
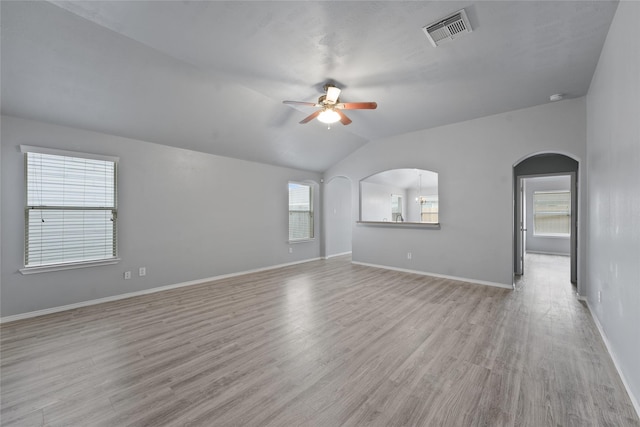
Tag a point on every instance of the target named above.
point(71, 211)
point(552, 213)
point(300, 212)
point(429, 209)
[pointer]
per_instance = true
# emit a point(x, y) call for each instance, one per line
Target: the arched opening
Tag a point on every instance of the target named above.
point(545, 213)
point(400, 195)
point(338, 220)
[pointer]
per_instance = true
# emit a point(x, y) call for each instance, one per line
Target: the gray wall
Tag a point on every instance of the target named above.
point(545, 244)
point(474, 160)
point(613, 143)
point(337, 216)
point(184, 215)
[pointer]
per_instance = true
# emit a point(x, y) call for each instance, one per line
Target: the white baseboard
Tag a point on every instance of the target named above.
point(335, 255)
point(443, 276)
point(635, 400)
point(52, 310)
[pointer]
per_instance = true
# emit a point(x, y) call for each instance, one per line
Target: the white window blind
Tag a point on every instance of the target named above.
point(300, 212)
point(552, 213)
point(71, 213)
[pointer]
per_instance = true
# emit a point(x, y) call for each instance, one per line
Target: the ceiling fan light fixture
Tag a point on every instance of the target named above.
point(330, 108)
point(328, 116)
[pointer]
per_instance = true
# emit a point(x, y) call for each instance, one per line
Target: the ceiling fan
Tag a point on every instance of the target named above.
point(330, 107)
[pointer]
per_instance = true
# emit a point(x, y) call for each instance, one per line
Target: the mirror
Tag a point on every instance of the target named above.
point(400, 195)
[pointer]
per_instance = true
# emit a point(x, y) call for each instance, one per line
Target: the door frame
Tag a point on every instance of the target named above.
point(521, 224)
point(547, 164)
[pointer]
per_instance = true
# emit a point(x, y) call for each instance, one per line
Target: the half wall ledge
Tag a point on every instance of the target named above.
point(430, 226)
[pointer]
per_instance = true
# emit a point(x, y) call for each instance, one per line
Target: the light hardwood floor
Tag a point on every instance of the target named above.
point(325, 343)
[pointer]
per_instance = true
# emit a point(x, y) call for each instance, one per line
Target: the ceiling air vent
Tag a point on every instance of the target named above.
point(448, 28)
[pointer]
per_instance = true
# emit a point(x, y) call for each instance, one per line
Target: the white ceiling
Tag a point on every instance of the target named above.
point(211, 76)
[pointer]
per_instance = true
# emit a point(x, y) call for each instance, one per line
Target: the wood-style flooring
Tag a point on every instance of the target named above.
point(325, 343)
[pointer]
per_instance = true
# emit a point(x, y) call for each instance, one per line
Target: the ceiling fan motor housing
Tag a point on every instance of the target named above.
point(324, 101)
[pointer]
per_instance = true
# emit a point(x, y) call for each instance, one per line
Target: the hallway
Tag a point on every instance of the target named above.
point(564, 348)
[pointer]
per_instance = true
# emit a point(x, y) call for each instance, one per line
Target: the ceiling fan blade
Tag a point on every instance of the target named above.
point(332, 94)
point(310, 104)
point(310, 117)
point(357, 105)
point(343, 118)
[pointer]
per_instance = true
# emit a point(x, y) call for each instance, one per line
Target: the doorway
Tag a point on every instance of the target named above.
point(338, 220)
point(545, 229)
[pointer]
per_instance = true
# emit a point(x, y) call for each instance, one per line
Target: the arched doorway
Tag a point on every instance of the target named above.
point(338, 220)
point(543, 165)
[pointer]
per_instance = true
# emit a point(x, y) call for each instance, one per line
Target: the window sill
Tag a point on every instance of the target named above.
point(300, 241)
point(69, 266)
point(429, 225)
point(552, 236)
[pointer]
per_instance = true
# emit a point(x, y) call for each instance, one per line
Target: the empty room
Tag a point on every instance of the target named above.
point(320, 213)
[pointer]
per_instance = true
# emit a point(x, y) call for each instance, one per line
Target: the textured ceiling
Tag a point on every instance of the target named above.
point(211, 76)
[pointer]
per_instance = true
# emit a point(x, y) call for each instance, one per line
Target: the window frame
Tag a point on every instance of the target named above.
point(396, 202)
point(537, 233)
point(31, 269)
point(429, 200)
point(311, 211)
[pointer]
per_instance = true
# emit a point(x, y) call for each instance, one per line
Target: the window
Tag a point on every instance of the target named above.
point(552, 213)
point(300, 212)
point(396, 208)
point(429, 209)
point(70, 214)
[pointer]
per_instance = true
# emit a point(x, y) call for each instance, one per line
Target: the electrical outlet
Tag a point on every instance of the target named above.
point(127, 275)
point(142, 271)
point(408, 255)
point(290, 250)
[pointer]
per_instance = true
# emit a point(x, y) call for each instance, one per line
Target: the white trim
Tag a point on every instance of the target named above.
point(335, 255)
point(52, 310)
point(443, 276)
point(67, 266)
point(547, 253)
point(67, 153)
point(429, 225)
point(634, 399)
point(552, 236)
point(305, 240)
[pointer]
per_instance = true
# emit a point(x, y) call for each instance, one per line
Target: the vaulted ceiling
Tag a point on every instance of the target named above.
point(211, 76)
